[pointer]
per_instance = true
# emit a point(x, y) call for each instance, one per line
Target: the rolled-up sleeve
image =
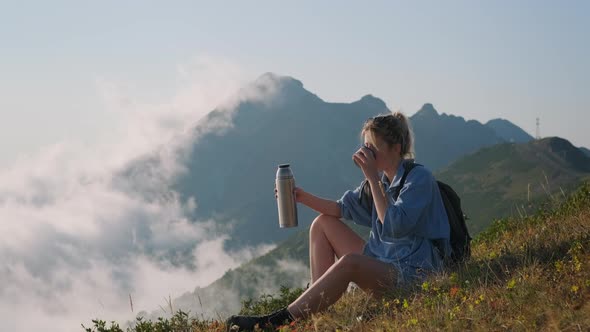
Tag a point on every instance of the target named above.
point(351, 209)
point(402, 217)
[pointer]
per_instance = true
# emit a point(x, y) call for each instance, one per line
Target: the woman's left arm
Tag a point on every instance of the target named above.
point(381, 202)
point(367, 163)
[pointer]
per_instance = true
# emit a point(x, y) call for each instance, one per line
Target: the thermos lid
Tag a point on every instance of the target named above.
point(284, 172)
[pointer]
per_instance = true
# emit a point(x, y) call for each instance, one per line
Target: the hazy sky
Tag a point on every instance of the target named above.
point(478, 60)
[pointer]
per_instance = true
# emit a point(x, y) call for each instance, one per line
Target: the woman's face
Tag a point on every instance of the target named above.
point(385, 156)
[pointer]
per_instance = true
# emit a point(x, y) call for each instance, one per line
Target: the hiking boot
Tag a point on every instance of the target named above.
point(247, 323)
point(243, 323)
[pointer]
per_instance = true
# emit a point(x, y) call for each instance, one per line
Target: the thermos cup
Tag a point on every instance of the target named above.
point(285, 184)
point(372, 152)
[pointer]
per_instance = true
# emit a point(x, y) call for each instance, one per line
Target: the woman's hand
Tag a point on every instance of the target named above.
point(297, 192)
point(364, 158)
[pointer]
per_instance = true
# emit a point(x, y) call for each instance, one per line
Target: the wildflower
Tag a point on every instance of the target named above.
point(451, 315)
point(577, 264)
point(559, 266)
point(511, 283)
point(454, 291)
point(425, 286)
point(406, 304)
point(575, 289)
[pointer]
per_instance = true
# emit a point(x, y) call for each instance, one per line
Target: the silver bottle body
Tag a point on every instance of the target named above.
point(287, 206)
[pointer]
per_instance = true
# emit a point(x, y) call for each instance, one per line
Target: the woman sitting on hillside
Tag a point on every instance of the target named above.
point(401, 246)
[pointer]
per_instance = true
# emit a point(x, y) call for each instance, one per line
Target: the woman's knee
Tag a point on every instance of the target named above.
point(320, 222)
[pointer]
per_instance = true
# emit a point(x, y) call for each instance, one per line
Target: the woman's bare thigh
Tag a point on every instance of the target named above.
point(371, 274)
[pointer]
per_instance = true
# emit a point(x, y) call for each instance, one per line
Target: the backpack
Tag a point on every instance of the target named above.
point(460, 239)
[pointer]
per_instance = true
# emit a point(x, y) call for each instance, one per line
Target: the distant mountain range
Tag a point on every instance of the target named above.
point(441, 138)
point(230, 171)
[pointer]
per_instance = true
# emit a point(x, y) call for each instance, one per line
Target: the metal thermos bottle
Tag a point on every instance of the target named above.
point(286, 198)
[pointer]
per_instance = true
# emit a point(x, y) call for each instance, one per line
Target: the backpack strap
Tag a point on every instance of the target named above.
point(408, 167)
point(365, 196)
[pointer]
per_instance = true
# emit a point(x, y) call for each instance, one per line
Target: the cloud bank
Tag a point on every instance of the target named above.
point(78, 238)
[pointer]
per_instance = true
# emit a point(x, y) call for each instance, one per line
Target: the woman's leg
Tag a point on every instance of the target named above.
point(329, 237)
point(369, 274)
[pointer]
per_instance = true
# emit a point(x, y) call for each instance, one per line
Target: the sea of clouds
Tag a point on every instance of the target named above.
point(76, 243)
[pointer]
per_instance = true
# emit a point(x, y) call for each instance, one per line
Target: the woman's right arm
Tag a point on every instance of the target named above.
point(319, 204)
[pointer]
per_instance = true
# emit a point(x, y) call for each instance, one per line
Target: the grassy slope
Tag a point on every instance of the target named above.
point(529, 273)
point(508, 179)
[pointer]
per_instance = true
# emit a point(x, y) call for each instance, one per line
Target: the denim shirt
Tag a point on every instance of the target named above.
point(412, 222)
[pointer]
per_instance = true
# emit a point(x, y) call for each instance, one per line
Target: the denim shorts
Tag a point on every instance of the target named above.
point(406, 274)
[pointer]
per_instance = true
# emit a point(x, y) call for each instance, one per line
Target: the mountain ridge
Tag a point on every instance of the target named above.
point(509, 131)
point(441, 138)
